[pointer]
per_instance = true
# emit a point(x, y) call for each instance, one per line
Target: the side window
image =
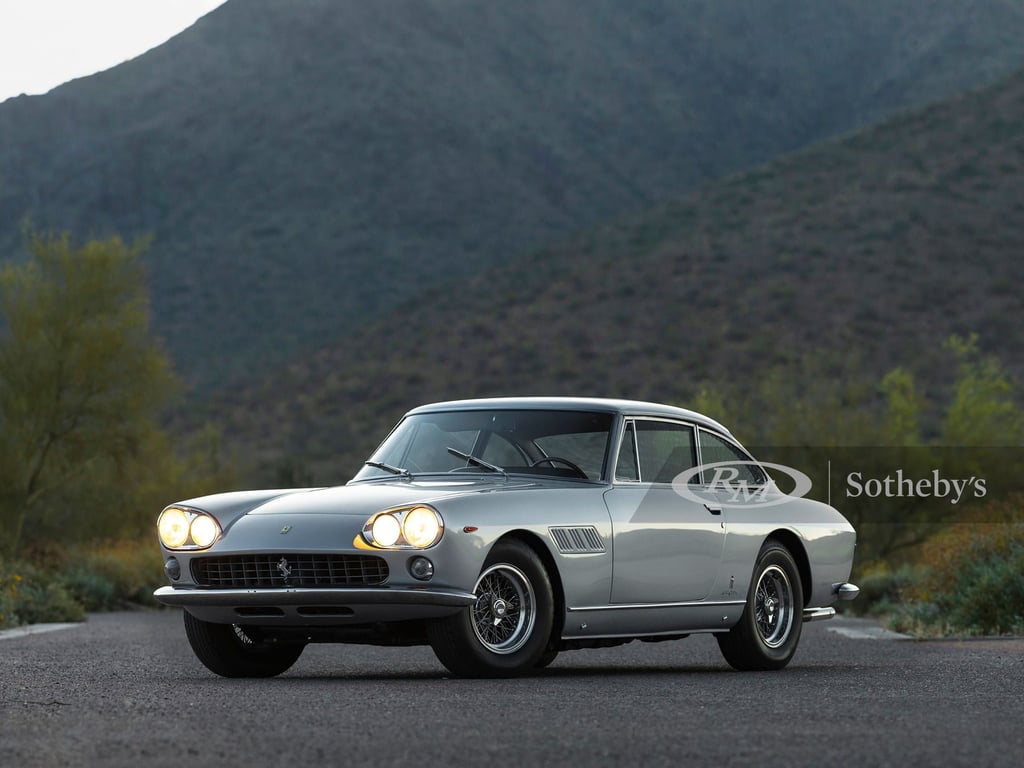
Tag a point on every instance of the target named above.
point(626, 468)
point(715, 450)
point(664, 449)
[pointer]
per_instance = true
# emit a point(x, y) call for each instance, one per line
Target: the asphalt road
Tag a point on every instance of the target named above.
point(123, 689)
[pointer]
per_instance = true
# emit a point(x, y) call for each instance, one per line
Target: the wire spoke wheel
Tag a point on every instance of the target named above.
point(773, 606)
point(768, 631)
point(508, 627)
point(505, 609)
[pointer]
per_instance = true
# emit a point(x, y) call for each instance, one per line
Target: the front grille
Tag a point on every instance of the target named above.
point(289, 570)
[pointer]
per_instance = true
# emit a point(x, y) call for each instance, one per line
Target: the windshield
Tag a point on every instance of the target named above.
point(567, 444)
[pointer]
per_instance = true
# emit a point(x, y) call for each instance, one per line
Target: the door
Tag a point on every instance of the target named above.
point(667, 548)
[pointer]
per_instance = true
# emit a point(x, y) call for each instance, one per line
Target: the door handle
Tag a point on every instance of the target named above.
point(713, 510)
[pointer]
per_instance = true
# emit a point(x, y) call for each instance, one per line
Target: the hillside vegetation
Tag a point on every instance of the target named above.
point(867, 251)
point(306, 168)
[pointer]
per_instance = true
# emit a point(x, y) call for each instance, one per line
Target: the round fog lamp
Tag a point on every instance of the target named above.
point(421, 527)
point(421, 568)
point(386, 530)
point(172, 568)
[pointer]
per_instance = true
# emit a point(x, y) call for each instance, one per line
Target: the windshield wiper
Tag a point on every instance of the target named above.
point(479, 462)
point(388, 468)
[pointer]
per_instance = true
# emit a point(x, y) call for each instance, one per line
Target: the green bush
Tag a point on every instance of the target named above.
point(58, 583)
point(881, 591)
point(971, 578)
point(94, 591)
point(112, 574)
point(989, 595)
point(31, 596)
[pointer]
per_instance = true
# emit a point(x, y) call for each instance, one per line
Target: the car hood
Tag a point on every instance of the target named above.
point(358, 499)
point(366, 498)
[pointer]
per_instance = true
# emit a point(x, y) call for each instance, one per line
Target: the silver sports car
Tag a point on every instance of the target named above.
point(504, 531)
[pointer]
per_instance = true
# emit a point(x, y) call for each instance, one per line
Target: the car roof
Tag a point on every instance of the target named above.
point(600, 404)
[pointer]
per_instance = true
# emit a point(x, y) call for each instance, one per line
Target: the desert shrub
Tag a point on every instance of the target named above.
point(971, 577)
point(62, 583)
point(93, 591)
point(29, 595)
point(881, 590)
point(108, 575)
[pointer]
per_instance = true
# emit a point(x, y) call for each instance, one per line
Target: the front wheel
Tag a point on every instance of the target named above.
point(768, 632)
point(506, 631)
point(230, 651)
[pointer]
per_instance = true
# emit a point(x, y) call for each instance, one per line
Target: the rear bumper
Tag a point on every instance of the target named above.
point(311, 607)
point(843, 590)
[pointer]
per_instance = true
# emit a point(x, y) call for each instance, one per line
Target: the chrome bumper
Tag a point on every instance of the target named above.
point(185, 596)
point(843, 591)
point(313, 606)
point(846, 591)
point(818, 614)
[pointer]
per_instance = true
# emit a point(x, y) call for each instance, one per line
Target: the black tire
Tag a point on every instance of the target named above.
point(227, 650)
point(506, 632)
point(546, 658)
point(768, 632)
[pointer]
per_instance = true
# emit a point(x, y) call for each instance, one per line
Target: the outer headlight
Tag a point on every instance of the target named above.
point(182, 528)
point(411, 528)
point(421, 527)
point(173, 527)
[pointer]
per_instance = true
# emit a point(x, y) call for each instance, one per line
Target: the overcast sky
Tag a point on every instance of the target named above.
point(44, 43)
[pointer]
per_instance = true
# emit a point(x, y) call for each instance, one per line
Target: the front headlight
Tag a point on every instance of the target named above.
point(204, 531)
point(173, 527)
point(181, 528)
point(421, 527)
point(410, 528)
point(386, 530)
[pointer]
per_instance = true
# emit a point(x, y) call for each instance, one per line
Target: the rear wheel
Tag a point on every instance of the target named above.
point(231, 651)
point(768, 632)
point(505, 632)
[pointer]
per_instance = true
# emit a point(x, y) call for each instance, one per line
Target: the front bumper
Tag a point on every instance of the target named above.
point(313, 607)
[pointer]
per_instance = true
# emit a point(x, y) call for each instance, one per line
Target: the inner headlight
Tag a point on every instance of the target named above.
point(187, 529)
point(204, 531)
point(386, 530)
point(411, 528)
point(421, 527)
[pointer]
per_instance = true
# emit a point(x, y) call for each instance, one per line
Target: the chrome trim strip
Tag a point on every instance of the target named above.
point(632, 606)
point(337, 596)
point(818, 614)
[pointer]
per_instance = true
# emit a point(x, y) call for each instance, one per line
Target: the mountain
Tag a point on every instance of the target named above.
point(874, 247)
point(307, 168)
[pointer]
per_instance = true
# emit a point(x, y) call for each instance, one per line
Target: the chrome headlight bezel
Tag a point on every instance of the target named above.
point(411, 529)
point(198, 532)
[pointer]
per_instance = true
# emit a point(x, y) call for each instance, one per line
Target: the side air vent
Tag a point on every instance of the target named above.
point(577, 540)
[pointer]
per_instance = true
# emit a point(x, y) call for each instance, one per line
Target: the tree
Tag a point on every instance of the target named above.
point(82, 382)
point(983, 410)
point(828, 418)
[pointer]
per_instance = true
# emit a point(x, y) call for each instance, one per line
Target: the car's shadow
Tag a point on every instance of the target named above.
point(575, 672)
